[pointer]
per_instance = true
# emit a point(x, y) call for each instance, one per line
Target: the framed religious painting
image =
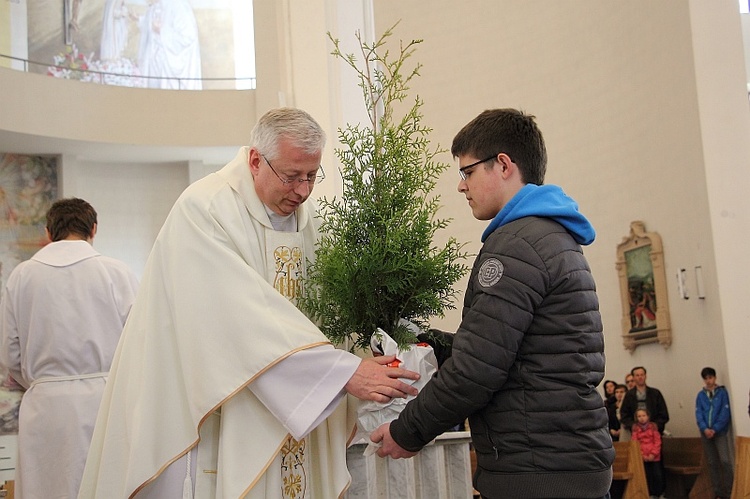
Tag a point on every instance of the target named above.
point(643, 289)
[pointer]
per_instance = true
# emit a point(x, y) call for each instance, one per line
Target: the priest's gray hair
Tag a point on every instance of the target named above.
point(288, 123)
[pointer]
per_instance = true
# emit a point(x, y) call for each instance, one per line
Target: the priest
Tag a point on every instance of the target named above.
point(220, 386)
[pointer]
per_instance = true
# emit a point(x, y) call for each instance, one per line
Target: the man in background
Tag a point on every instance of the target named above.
point(643, 396)
point(629, 381)
point(221, 386)
point(62, 314)
point(529, 353)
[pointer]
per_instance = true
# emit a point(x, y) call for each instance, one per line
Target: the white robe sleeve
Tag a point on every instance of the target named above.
point(10, 347)
point(302, 390)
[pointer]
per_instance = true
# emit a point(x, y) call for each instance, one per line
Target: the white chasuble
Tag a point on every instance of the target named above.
point(214, 351)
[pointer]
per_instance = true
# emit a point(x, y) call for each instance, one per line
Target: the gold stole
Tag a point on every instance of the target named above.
point(285, 267)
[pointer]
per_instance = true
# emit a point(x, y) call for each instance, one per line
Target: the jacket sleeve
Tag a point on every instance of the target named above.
point(10, 344)
point(661, 414)
point(640, 437)
point(614, 423)
point(700, 412)
point(496, 316)
point(627, 409)
point(657, 444)
point(723, 413)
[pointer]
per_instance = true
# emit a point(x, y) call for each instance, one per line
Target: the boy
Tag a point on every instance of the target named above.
point(713, 417)
point(529, 353)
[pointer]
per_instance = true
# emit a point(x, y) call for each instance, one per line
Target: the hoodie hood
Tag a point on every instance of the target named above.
point(546, 201)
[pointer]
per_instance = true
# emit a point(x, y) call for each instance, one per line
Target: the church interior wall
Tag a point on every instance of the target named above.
point(132, 201)
point(615, 88)
point(617, 91)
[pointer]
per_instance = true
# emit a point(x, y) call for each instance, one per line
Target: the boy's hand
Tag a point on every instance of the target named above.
point(389, 447)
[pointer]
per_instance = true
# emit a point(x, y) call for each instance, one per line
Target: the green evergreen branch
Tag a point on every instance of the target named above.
point(376, 262)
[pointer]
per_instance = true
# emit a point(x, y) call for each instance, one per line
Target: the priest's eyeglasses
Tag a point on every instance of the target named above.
point(313, 178)
point(462, 171)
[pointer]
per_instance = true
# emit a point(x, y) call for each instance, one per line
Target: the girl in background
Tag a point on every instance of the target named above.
point(648, 436)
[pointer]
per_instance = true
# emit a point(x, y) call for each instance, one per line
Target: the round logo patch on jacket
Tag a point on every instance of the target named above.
point(490, 272)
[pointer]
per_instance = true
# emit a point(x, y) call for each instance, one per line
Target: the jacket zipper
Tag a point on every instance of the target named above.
point(489, 438)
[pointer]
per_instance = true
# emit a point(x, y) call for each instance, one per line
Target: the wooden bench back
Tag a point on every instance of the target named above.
point(628, 466)
point(7, 490)
point(620, 466)
point(742, 468)
point(682, 455)
point(687, 472)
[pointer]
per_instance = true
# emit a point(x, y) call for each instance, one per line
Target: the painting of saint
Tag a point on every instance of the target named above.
point(641, 291)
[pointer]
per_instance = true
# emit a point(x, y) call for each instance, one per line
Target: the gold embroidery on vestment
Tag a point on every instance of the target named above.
point(289, 269)
point(293, 473)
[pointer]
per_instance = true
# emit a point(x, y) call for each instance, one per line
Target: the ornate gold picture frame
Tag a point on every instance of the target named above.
point(643, 289)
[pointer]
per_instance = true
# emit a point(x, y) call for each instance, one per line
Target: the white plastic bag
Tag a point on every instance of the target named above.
point(419, 358)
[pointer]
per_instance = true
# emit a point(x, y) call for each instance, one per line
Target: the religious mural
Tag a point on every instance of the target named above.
point(28, 187)
point(175, 44)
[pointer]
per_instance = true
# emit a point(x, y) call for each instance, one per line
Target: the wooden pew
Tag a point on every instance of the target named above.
point(741, 488)
point(686, 471)
point(628, 467)
point(7, 490)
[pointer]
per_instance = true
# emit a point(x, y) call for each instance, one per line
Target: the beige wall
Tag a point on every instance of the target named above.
point(39, 105)
point(725, 127)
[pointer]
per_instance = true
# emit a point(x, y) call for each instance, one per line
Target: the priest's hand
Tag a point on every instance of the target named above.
point(374, 380)
point(388, 446)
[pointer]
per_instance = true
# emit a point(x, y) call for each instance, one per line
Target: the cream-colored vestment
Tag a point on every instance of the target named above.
point(207, 351)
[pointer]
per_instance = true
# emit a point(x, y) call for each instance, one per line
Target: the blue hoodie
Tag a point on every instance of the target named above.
point(546, 201)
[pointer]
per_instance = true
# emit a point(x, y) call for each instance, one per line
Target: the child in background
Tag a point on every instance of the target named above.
point(647, 435)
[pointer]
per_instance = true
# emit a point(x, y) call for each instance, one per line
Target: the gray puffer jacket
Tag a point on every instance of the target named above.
point(524, 368)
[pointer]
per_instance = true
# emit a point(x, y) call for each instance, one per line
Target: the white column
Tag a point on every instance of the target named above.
point(725, 130)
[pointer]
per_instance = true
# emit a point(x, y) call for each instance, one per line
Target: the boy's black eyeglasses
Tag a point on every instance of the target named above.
point(462, 171)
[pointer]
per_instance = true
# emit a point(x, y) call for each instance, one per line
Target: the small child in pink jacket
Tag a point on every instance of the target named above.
point(648, 436)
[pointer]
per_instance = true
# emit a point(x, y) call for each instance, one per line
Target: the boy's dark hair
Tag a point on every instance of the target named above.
point(708, 371)
point(70, 216)
point(509, 131)
point(621, 387)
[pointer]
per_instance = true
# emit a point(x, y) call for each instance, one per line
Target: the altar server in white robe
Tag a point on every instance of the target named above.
point(62, 314)
point(221, 387)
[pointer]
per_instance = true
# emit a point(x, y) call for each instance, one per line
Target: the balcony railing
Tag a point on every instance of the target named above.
point(80, 70)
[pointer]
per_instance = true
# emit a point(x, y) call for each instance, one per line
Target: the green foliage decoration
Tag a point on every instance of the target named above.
point(376, 261)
